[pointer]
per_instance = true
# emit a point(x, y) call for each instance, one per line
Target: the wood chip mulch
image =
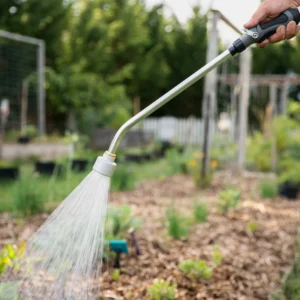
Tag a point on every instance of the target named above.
point(253, 262)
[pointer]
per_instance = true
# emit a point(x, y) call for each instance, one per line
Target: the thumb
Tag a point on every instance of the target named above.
point(259, 16)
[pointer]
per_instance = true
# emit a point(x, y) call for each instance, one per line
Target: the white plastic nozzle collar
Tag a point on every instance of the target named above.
point(105, 164)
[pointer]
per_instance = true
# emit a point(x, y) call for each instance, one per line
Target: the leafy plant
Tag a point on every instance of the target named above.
point(177, 225)
point(176, 161)
point(217, 255)
point(228, 198)
point(119, 221)
point(252, 226)
point(196, 269)
point(200, 212)
point(162, 290)
point(194, 167)
point(289, 171)
point(28, 196)
point(268, 188)
point(123, 179)
point(116, 274)
point(10, 257)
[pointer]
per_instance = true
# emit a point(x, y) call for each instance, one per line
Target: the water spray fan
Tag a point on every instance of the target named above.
point(63, 258)
point(105, 164)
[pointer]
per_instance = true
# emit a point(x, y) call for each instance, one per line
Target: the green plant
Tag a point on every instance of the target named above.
point(228, 198)
point(176, 161)
point(162, 290)
point(289, 171)
point(252, 226)
point(194, 167)
point(28, 196)
point(268, 188)
point(31, 131)
point(123, 179)
point(116, 274)
point(217, 255)
point(10, 256)
point(119, 221)
point(196, 269)
point(200, 212)
point(258, 152)
point(177, 225)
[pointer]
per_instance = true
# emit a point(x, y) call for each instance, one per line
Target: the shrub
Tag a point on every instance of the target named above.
point(177, 225)
point(200, 212)
point(162, 290)
point(196, 269)
point(28, 196)
point(176, 161)
point(228, 198)
point(123, 179)
point(194, 167)
point(268, 188)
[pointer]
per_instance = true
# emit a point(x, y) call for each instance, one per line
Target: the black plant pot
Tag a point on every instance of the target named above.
point(23, 140)
point(9, 173)
point(137, 158)
point(47, 168)
point(289, 190)
point(79, 165)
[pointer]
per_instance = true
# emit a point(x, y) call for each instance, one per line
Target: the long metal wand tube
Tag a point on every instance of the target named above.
point(166, 98)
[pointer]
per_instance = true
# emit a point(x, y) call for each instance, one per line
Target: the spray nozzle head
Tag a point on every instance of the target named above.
point(105, 164)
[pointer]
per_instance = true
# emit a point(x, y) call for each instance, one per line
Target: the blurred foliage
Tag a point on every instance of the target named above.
point(177, 161)
point(162, 290)
point(268, 188)
point(200, 212)
point(217, 256)
point(178, 225)
point(29, 197)
point(119, 220)
point(194, 167)
point(228, 198)
point(124, 179)
point(10, 257)
point(196, 269)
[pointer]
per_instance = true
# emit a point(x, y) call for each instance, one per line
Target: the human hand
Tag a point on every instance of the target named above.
point(268, 10)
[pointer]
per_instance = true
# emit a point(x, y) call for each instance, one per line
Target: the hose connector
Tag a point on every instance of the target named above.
point(105, 164)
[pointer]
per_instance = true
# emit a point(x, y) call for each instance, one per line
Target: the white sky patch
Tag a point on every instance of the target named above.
point(237, 11)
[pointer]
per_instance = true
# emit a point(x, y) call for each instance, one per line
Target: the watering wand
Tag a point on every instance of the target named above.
point(105, 164)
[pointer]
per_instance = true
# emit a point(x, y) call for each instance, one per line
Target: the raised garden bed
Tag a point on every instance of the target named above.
point(9, 173)
point(253, 261)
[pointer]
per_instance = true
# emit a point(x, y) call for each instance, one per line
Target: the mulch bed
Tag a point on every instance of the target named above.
point(253, 262)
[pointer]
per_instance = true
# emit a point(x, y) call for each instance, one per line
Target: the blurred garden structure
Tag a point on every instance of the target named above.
point(225, 151)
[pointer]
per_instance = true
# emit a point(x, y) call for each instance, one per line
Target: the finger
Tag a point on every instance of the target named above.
point(258, 16)
point(279, 35)
point(291, 30)
point(263, 44)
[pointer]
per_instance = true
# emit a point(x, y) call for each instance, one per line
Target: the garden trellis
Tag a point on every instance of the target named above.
point(22, 76)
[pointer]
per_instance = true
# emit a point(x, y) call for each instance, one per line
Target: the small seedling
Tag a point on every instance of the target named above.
point(162, 290)
point(228, 198)
point(200, 212)
point(217, 255)
point(268, 189)
point(252, 226)
point(177, 227)
point(196, 269)
point(116, 274)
